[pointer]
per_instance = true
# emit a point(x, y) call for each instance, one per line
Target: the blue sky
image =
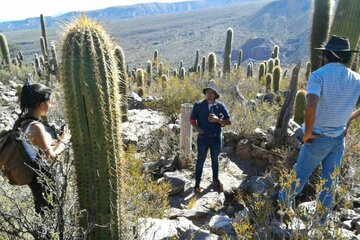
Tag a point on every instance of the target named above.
point(22, 9)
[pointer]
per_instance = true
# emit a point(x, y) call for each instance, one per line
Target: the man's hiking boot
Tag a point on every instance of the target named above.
point(218, 186)
point(197, 190)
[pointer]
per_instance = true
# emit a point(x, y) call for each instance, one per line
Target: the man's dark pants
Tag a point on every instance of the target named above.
point(204, 142)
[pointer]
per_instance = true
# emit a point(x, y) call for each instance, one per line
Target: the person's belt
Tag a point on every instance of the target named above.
point(210, 134)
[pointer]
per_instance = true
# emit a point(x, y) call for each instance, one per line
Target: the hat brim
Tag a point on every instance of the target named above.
point(217, 94)
point(335, 50)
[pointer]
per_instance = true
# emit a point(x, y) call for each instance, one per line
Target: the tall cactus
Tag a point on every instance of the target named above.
point(149, 72)
point(182, 73)
point(271, 65)
point(123, 83)
point(140, 82)
point(212, 65)
point(43, 33)
point(299, 108)
point(319, 30)
point(227, 52)
point(248, 70)
point(161, 69)
point(5, 49)
point(239, 59)
point(261, 71)
point(276, 79)
point(196, 60)
point(308, 71)
point(53, 64)
point(203, 64)
point(92, 103)
point(275, 52)
point(268, 81)
point(155, 62)
point(346, 22)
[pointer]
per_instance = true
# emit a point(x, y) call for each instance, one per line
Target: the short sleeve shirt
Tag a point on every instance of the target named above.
point(201, 112)
point(338, 89)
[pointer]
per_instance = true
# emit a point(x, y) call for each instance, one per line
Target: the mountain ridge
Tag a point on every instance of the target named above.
point(121, 12)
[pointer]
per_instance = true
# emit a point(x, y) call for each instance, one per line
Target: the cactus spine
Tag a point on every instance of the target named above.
point(212, 65)
point(92, 102)
point(300, 104)
point(123, 83)
point(227, 52)
point(319, 31)
point(276, 79)
point(346, 23)
point(5, 49)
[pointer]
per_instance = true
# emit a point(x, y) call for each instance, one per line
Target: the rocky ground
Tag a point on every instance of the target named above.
point(210, 214)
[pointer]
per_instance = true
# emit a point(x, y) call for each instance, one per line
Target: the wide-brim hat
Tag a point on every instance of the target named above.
point(212, 85)
point(337, 44)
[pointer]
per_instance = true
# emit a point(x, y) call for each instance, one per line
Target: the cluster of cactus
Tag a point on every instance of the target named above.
point(90, 79)
point(47, 63)
point(249, 70)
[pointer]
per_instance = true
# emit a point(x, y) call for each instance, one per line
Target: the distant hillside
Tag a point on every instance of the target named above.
point(122, 12)
point(258, 26)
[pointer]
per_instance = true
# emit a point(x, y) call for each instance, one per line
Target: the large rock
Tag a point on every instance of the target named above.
point(156, 229)
point(198, 235)
point(140, 125)
point(176, 180)
point(222, 225)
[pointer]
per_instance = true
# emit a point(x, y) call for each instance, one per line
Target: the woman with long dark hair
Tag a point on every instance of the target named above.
point(35, 101)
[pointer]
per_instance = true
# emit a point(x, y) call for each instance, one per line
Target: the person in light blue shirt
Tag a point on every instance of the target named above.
point(332, 93)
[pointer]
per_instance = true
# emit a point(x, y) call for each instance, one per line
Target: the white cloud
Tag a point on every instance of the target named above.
point(22, 9)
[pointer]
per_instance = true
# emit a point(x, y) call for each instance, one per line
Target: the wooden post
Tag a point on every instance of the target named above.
point(185, 134)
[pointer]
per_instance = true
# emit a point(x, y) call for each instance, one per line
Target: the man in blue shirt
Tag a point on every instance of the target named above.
point(332, 93)
point(207, 118)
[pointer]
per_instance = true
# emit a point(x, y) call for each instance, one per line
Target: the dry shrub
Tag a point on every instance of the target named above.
point(144, 196)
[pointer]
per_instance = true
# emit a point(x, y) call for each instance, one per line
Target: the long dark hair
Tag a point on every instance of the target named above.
point(32, 95)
